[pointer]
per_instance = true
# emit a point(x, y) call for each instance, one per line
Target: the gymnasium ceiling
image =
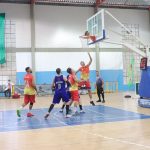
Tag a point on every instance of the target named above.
point(134, 4)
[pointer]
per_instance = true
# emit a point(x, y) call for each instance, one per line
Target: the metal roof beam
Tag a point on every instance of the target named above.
point(99, 2)
point(97, 5)
point(125, 6)
point(32, 1)
point(16, 1)
point(84, 3)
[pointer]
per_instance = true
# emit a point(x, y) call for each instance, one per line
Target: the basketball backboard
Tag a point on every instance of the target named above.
point(95, 26)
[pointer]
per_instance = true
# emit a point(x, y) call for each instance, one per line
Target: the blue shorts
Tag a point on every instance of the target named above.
point(60, 94)
point(69, 94)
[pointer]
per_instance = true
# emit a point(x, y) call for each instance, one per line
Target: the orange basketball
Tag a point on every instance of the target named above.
point(93, 38)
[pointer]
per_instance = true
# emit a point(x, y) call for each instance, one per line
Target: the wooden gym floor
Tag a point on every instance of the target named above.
point(119, 124)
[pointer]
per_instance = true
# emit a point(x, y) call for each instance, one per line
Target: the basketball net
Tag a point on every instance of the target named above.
point(85, 40)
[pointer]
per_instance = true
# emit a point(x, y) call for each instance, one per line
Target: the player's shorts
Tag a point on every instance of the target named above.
point(60, 95)
point(69, 94)
point(85, 84)
point(29, 99)
point(75, 95)
point(100, 89)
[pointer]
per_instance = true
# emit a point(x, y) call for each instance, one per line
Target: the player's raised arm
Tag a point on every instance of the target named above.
point(90, 59)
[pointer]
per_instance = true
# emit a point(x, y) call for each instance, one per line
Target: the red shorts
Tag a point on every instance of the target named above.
point(75, 95)
point(86, 84)
point(29, 99)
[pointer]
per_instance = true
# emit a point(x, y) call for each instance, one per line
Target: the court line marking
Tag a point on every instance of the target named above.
point(109, 116)
point(102, 136)
point(95, 112)
point(21, 129)
point(22, 119)
point(126, 117)
point(22, 126)
point(117, 140)
point(53, 123)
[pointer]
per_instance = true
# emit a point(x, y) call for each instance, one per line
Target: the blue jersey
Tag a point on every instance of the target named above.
point(60, 90)
point(59, 83)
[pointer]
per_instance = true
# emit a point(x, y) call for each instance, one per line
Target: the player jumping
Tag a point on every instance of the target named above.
point(29, 92)
point(91, 37)
point(59, 83)
point(84, 69)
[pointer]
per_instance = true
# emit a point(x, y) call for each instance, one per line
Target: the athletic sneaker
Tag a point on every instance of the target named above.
point(30, 115)
point(91, 102)
point(61, 111)
point(18, 113)
point(68, 116)
point(98, 101)
point(46, 116)
point(82, 111)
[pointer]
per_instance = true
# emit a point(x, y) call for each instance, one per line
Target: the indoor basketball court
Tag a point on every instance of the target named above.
point(74, 75)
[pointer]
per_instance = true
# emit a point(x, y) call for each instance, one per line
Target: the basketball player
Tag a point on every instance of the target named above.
point(69, 95)
point(84, 69)
point(59, 83)
point(74, 90)
point(100, 87)
point(91, 37)
point(29, 92)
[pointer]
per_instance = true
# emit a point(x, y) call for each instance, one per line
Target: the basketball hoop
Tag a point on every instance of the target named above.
point(85, 40)
point(90, 37)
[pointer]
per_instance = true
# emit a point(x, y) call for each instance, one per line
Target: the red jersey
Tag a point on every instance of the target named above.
point(74, 84)
point(84, 72)
point(28, 80)
point(29, 90)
